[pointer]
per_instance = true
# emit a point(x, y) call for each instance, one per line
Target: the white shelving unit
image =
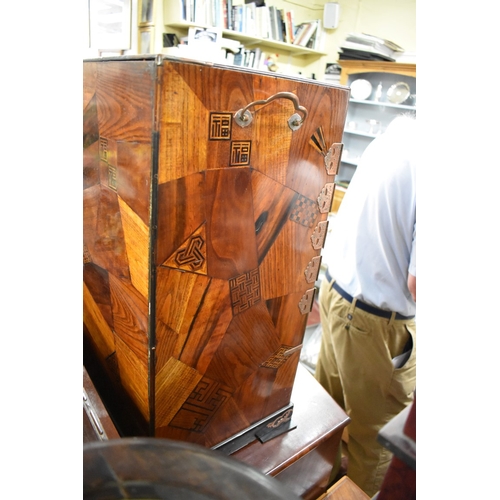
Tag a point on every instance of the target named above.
point(367, 118)
point(250, 41)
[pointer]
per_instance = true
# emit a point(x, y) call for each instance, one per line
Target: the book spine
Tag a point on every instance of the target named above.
point(308, 33)
point(272, 17)
point(238, 58)
point(299, 32)
point(290, 26)
point(280, 27)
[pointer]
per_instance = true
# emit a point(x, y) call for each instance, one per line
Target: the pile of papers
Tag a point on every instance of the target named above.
point(368, 48)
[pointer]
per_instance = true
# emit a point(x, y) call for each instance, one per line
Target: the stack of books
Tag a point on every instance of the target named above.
point(308, 34)
point(368, 48)
point(261, 21)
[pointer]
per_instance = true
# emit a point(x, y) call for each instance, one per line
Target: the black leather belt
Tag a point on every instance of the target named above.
point(363, 305)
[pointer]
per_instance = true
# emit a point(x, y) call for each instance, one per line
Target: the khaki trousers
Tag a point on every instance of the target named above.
point(355, 366)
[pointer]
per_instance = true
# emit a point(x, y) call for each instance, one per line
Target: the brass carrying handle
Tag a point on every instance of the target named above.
point(244, 117)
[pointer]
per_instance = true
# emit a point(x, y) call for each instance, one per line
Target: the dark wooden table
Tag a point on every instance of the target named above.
point(303, 457)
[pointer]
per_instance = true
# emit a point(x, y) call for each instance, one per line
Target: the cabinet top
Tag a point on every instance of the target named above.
point(350, 67)
point(160, 59)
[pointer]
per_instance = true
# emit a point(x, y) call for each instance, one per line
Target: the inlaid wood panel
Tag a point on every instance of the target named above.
point(203, 238)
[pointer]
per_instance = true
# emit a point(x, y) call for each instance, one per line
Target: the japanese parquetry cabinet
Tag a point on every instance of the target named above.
point(206, 195)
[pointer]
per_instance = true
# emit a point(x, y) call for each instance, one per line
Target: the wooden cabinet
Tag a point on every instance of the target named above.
point(206, 196)
point(369, 116)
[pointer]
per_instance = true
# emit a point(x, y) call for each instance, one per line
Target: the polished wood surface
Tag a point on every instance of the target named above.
point(355, 67)
point(344, 489)
point(302, 458)
point(202, 239)
point(151, 468)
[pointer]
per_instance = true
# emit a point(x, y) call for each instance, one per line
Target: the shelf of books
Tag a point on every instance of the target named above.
point(250, 23)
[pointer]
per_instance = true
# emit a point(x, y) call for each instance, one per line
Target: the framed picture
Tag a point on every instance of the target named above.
point(109, 24)
point(205, 38)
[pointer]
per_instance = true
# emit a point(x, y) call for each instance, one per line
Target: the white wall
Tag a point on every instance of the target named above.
point(391, 19)
point(394, 20)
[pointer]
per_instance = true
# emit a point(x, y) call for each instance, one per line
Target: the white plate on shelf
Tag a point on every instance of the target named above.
point(398, 93)
point(361, 89)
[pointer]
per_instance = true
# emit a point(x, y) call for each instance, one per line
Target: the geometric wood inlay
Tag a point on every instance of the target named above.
point(317, 141)
point(87, 258)
point(201, 405)
point(175, 381)
point(103, 149)
point(112, 177)
point(191, 255)
point(240, 153)
point(245, 291)
point(304, 212)
point(278, 358)
point(331, 155)
point(220, 126)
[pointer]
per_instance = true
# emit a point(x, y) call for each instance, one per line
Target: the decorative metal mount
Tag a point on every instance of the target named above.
point(319, 235)
point(276, 424)
point(244, 117)
point(312, 269)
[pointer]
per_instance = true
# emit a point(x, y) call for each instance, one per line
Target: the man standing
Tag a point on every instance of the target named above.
point(367, 359)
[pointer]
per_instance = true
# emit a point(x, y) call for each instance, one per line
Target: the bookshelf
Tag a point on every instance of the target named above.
point(252, 41)
point(180, 16)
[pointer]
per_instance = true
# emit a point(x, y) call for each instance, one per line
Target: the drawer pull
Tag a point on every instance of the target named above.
point(244, 117)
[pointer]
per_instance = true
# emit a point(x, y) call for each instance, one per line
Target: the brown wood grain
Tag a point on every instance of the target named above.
point(345, 489)
point(134, 180)
point(134, 377)
point(303, 457)
point(103, 231)
point(91, 174)
point(137, 240)
point(125, 96)
point(130, 317)
point(96, 325)
point(284, 312)
point(89, 82)
point(178, 300)
point(198, 255)
point(272, 204)
point(174, 383)
point(210, 324)
point(180, 215)
point(231, 247)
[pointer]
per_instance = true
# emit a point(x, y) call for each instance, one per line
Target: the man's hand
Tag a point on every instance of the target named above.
point(412, 285)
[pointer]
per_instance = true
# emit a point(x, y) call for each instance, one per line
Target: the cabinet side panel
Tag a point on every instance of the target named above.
point(239, 238)
point(118, 98)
